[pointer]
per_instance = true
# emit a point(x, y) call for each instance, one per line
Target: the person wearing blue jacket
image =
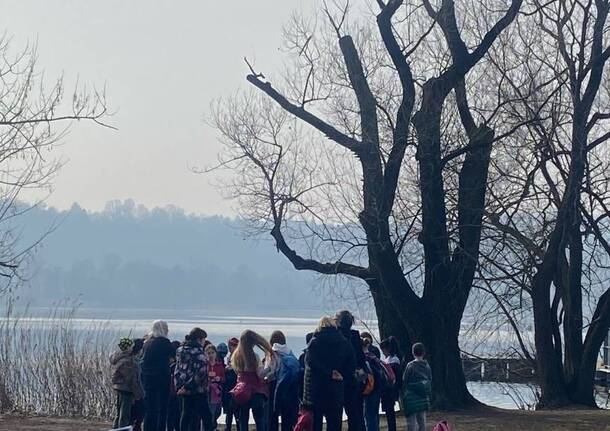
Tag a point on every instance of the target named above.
point(284, 385)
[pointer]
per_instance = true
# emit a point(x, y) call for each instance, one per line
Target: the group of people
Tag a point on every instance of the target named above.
point(185, 386)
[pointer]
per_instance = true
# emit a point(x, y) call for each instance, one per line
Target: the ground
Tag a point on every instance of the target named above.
point(484, 420)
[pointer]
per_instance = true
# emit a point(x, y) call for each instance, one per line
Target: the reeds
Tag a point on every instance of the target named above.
point(54, 366)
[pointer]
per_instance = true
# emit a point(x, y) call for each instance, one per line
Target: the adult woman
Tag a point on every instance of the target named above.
point(354, 400)
point(250, 378)
point(191, 379)
point(328, 362)
point(156, 376)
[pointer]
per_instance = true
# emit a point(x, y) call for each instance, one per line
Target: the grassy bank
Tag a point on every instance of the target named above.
point(483, 420)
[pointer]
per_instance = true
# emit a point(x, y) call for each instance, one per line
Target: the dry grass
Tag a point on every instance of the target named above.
point(53, 367)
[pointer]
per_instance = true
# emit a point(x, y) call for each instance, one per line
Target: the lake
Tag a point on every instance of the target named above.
point(136, 323)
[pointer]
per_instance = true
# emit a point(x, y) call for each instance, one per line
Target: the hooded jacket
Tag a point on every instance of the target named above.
point(191, 373)
point(417, 385)
point(125, 373)
point(287, 376)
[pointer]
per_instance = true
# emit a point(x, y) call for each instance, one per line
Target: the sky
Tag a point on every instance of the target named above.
point(163, 62)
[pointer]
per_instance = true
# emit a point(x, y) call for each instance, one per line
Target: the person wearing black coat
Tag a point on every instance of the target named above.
point(354, 400)
point(308, 338)
point(328, 361)
point(156, 376)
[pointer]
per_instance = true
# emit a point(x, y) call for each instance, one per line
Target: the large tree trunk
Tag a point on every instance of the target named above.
point(583, 392)
point(441, 338)
point(439, 331)
point(572, 303)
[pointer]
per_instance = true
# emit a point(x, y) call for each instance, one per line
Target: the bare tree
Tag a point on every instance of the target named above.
point(549, 215)
point(364, 97)
point(33, 119)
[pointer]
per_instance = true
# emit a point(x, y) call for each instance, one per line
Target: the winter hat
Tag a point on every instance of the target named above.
point(125, 344)
point(222, 349)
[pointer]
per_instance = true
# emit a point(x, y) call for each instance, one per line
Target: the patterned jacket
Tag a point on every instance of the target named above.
point(191, 373)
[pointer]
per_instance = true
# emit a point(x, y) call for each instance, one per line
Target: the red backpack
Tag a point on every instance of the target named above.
point(390, 375)
point(442, 426)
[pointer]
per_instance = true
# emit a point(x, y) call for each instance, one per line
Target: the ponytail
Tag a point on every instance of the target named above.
point(196, 334)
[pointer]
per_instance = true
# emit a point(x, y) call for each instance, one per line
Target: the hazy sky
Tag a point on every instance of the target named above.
point(163, 62)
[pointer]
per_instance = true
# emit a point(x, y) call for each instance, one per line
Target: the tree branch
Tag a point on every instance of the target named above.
point(299, 112)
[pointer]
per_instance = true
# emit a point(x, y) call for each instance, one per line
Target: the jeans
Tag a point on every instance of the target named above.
point(354, 408)
point(371, 411)
point(156, 396)
point(416, 422)
point(389, 405)
point(289, 416)
point(124, 400)
point(215, 411)
point(258, 406)
point(287, 408)
point(230, 412)
point(193, 411)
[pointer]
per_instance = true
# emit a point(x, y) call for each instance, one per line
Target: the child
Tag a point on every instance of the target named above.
point(125, 381)
point(417, 380)
point(230, 381)
point(137, 408)
point(216, 378)
point(389, 347)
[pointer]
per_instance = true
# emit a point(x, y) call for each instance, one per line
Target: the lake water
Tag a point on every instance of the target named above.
point(136, 323)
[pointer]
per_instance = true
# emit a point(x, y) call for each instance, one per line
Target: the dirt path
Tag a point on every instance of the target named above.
point(486, 420)
point(37, 423)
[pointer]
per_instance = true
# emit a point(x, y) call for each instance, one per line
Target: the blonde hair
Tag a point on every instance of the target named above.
point(210, 348)
point(159, 329)
point(244, 358)
point(326, 322)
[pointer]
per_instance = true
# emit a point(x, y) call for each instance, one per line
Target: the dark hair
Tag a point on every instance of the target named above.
point(138, 343)
point(390, 344)
point(277, 337)
point(308, 337)
point(366, 335)
point(176, 344)
point(196, 334)
point(418, 349)
point(344, 319)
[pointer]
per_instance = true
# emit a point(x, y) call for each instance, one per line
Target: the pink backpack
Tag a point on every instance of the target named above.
point(442, 426)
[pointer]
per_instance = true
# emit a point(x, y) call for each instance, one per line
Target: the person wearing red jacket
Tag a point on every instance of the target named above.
point(216, 379)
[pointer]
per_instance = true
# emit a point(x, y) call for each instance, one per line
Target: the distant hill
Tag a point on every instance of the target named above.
point(130, 257)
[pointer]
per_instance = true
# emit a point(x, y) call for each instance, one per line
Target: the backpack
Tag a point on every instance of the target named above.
point(242, 393)
point(290, 368)
point(390, 375)
point(369, 384)
point(442, 426)
point(384, 380)
point(287, 382)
